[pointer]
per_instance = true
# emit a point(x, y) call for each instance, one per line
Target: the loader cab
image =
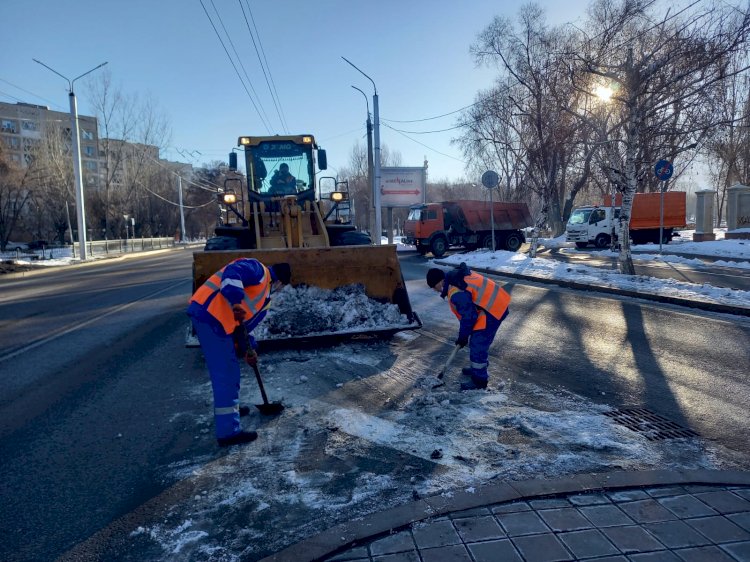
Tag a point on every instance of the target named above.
point(279, 166)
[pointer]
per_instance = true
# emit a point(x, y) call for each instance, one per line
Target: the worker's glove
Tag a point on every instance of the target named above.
point(239, 312)
point(251, 358)
point(462, 341)
point(239, 337)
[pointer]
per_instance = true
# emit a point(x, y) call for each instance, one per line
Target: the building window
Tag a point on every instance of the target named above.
point(87, 135)
point(16, 158)
point(90, 151)
point(90, 165)
point(29, 125)
point(8, 126)
point(12, 142)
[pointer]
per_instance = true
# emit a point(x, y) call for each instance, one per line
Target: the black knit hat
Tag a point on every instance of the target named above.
point(282, 272)
point(434, 276)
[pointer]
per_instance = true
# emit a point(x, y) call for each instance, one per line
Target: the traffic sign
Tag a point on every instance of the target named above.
point(490, 179)
point(663, 170)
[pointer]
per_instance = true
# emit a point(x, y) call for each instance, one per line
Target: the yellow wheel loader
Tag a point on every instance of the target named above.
point(278, 216)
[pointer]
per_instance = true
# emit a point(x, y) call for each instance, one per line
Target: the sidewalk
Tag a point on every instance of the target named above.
point(664, 515)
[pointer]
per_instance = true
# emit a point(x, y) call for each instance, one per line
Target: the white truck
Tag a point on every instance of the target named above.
point(597, 225)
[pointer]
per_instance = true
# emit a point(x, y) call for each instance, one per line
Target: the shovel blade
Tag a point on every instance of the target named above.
point(270, 409)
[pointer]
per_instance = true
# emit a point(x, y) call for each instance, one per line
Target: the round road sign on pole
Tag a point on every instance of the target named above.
point(490, 179)
point(663, 170)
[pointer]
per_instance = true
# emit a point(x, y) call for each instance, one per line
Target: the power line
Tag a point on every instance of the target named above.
point(216, 31)
point(272, 90)
point(239, 59)
point(28, 92)
point(424, 145)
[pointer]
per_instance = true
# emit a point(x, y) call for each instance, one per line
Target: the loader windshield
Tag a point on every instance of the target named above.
point(279, 168)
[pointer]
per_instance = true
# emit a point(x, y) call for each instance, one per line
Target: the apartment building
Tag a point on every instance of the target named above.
point(23, 127)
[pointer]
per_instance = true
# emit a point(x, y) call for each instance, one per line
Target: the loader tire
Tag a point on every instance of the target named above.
point(221, 243)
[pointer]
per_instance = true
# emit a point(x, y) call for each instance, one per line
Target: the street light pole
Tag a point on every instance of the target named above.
point(376, 179)
point(80, 204)
point(369, 142)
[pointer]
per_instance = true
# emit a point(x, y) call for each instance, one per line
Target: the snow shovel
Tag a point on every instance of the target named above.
point(445, 367)
point(267, 408)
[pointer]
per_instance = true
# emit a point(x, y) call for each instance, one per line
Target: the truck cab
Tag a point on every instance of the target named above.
point(422, 223)
point(592, 225)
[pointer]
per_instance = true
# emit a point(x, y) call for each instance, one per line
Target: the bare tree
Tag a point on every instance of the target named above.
point(665, 71)
point(542, 151)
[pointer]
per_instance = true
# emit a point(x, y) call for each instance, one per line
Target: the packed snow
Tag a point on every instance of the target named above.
point(518, 263)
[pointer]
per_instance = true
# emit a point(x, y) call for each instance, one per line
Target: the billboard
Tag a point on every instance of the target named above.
point(402, 187)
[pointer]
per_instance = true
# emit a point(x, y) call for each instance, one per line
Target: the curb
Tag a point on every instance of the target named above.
point(710, 306)
point(350, 534)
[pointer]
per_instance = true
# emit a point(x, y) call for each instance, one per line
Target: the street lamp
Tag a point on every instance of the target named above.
point(376, 179)
point(369, 140)
point(80, 205)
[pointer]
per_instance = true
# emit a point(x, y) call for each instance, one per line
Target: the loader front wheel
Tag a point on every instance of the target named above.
point(438, 246)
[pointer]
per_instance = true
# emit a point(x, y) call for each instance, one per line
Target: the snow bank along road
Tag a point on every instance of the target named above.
point(120, 460)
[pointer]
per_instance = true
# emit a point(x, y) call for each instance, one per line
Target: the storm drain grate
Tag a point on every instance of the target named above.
point(653, 426)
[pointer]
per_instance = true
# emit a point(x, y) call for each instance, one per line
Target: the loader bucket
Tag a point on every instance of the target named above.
point(376, 268)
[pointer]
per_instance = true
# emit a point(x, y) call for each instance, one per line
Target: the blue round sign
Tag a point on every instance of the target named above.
point(663, 170)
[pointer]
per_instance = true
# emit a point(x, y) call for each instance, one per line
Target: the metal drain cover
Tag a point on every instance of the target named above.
point(653, 426)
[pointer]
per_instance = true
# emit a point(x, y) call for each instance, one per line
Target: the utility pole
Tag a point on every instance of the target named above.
point(182, 210)
point(369, 143)
point(80, 204)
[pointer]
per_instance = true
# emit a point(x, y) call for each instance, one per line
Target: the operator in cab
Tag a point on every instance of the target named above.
point(282, 182)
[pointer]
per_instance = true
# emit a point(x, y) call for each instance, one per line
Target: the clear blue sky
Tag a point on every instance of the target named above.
point(416, 51)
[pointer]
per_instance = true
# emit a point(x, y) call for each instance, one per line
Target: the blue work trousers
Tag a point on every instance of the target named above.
point(479, 346)
point(224, 369)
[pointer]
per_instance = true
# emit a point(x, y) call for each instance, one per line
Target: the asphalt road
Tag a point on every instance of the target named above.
point(93, 368)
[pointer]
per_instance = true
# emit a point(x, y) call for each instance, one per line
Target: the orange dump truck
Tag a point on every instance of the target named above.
point(435, 227)
point(597, 224)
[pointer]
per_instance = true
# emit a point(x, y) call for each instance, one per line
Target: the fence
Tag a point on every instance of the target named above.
point(94, 248)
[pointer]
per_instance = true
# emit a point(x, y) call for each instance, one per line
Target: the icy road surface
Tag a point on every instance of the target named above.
point(360, 434)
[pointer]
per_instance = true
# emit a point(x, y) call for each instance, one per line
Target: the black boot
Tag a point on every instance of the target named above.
point(238, 438)
point(467, 372)
point(474, 384)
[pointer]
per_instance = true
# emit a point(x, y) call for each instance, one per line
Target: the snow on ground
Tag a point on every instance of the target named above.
point(511, 262)
point(362, 436)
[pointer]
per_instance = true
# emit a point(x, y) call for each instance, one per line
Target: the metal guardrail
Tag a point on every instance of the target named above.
point(94, 248)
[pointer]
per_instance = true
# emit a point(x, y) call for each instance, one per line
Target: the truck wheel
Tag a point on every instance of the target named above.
point(666, 237)
point(581, 245)
point(513, 242)
point(487, 242)
point(438, 246)
point(602, 241)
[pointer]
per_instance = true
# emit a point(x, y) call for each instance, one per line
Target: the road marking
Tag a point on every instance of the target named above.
point(65, 331)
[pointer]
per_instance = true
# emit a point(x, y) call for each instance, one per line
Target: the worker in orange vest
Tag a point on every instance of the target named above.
point(239, 293)
point(480, 305)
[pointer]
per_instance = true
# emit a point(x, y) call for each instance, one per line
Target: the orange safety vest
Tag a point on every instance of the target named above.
point(487, 296)
point(253, 302)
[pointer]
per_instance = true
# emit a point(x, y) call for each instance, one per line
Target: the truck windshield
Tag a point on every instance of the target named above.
point(580, 216)
point(280, 167)
point(415, 215)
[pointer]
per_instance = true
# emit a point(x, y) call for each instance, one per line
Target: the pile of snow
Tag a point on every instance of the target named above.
point(305, 311)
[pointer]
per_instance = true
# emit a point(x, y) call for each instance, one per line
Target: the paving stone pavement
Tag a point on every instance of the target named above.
point(670, 520)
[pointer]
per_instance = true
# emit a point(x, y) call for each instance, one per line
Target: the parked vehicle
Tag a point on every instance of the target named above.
point(435, 227)
point(38, 245)
point(16, 246)
point(599, 223)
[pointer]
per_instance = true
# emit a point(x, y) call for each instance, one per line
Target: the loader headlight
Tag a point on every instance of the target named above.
point(338, 196)
point(229, 198)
